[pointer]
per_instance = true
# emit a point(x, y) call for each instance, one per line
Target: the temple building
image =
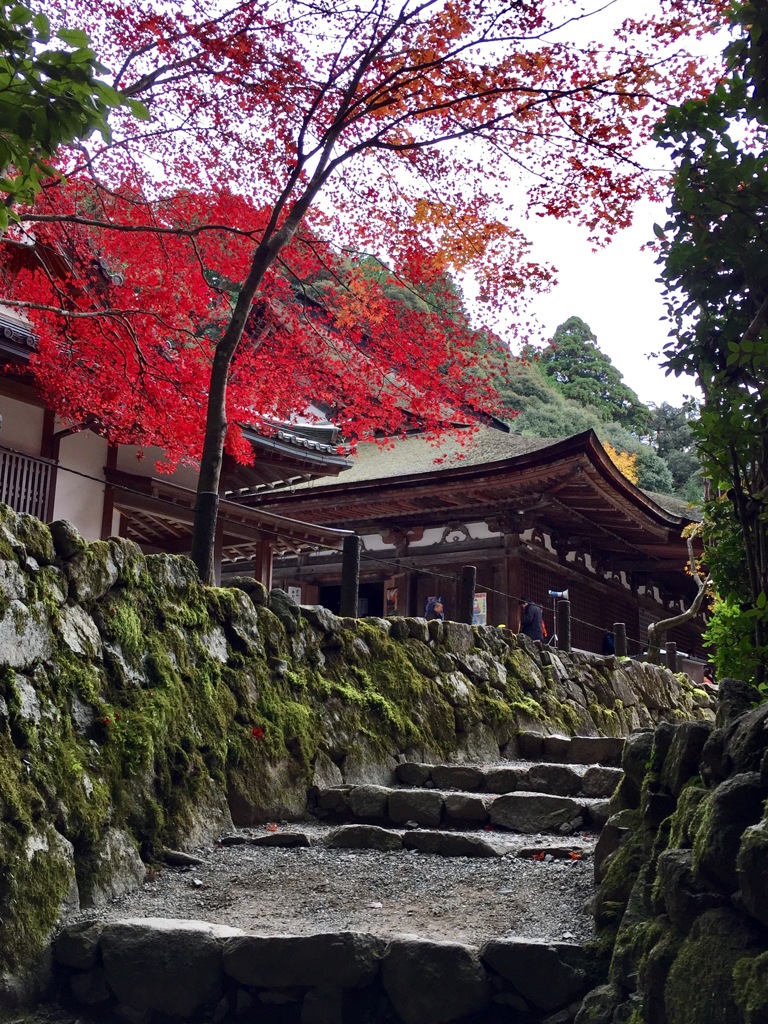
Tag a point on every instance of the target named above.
point(533, 515)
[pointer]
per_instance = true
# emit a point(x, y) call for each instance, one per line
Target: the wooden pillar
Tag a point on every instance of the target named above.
point(620, 639)
point(350, 576)
point(49, 449)
point(262, 563)
point(514, 583)
point(564, 625)
point(108, 508)
point(467, 595)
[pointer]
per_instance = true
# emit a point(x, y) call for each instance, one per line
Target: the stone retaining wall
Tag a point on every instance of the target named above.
point(146, 970)
point(140, 710)
point(683, 866)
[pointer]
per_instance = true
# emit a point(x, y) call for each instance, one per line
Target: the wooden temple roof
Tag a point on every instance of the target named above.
point(568, 486)
point(158, 514)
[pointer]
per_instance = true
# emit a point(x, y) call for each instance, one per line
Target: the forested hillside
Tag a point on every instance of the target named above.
point(571, 385)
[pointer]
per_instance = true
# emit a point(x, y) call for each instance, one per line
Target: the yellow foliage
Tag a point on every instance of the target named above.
point(625, 462)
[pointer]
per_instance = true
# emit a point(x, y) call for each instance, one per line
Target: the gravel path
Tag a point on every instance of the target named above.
point(299, 891)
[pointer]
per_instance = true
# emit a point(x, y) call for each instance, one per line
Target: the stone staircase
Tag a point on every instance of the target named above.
point(547, 805)
point(469, 810)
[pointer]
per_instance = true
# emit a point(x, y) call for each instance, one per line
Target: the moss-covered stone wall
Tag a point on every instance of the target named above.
point(682, 907)
point(139, 709)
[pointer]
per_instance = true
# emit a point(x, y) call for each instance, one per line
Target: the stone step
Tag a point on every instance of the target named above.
point(155, 969)
point(555, 779)
point(604, 750)
point(451, 844)
point(431, 808)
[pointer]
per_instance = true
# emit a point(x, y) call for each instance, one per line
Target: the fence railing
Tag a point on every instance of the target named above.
point(25, 483)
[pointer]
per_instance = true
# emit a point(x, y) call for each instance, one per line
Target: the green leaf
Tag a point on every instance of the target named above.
point(73, 37)
point(138, 109)
point(42, 26)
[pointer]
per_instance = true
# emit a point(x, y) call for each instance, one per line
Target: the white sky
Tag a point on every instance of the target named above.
point(615, 291)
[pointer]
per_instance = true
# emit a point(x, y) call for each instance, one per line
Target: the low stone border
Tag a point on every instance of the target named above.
point(146, 970)
point(524, 812)
point(556, 779)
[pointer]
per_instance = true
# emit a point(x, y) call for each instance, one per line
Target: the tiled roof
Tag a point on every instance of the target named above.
point(416, 454)
point(677, 506)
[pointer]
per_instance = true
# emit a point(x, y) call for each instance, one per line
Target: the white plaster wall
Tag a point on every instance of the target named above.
point(79, 498)
point(127, 462)
point(434, 534)
point(22, 426)
point(373, 542)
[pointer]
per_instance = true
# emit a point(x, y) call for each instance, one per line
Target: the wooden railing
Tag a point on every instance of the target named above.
point(25, 483)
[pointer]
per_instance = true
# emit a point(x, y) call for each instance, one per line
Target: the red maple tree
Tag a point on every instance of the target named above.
point(205, 270)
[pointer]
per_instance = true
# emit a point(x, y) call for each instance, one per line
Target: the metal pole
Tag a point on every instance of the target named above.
point(564, 625)
point(620, 639)
point(350, 576)
point(467, 596)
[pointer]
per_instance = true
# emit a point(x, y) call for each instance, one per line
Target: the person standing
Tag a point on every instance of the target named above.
point(532, 619)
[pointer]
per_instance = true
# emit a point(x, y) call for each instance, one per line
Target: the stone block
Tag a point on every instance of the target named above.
point(431, 982)
point(424, 806)
point(732, 808)
point(548, 975)
point(684, 896)
point(684, 755)
point(466, 809)
point(77, 945)
point(505, 780)
point(556, 779)
point(533, 812)
point(557, 748)
point(164, 965)
point(364, 837)
point(600, 781)
point(410, 773)
point(350, 959)
point(457, 776)
point(449, 844)
point(369, 803)
point(752, 871)
point(604, 750)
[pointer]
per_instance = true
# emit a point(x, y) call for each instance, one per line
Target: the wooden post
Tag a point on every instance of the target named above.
point(350, 576)
point(467, 595)
point(620, 639)
point(671, 656)
point(564, 625)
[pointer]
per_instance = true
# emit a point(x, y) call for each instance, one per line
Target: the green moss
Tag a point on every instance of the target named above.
point(750, 981)
point(623, 869)
point(35, 880)
point(702, 981)
point(35, 536)
point(124, 626)
point(684, 821)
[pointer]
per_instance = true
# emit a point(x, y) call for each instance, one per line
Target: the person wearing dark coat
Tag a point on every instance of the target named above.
point(531, 621)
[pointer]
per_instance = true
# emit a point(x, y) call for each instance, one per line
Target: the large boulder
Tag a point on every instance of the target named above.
point(752, 871)
point(732, 807)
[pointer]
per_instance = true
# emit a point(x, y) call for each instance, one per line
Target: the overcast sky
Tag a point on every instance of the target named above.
point(615, 291)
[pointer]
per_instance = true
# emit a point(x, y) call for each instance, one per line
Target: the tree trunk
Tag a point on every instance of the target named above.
point(657, 630)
